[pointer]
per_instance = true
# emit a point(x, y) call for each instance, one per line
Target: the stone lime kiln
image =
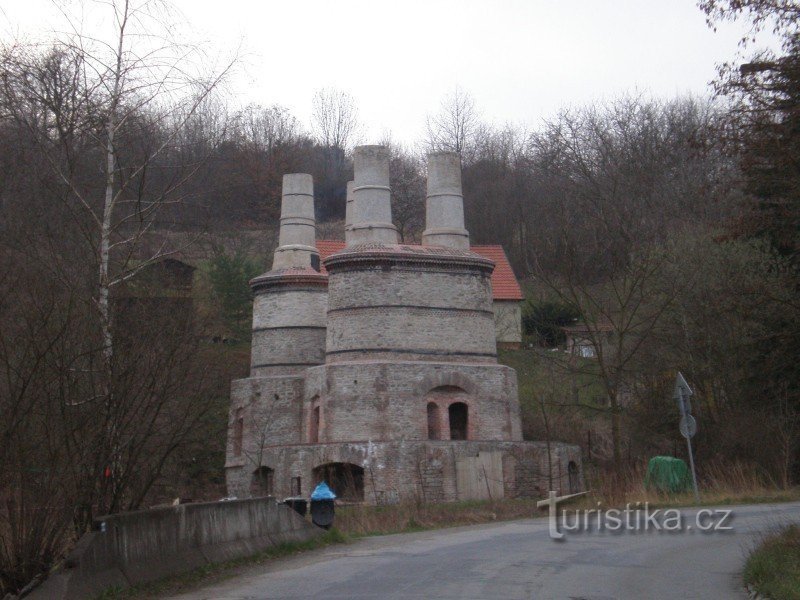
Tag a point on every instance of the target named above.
point(380, 375)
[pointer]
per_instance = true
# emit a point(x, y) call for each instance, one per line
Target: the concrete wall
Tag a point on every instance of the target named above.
point(148, 545)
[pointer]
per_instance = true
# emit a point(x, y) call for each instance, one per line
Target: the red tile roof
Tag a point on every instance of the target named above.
point(504, 282)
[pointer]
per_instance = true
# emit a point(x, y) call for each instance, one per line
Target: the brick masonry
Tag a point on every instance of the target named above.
point(369, 372)
point(415, 470)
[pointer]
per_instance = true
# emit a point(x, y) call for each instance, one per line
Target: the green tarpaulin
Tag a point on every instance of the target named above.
point(668, 474)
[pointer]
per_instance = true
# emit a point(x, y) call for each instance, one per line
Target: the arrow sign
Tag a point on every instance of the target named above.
point(682, 394)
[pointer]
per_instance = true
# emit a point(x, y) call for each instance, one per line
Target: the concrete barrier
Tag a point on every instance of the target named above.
point(138, 547)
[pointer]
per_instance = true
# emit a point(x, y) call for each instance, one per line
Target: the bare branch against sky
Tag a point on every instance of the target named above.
point(519, 60)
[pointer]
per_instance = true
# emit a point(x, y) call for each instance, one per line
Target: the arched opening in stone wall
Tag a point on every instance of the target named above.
point(262, 482)
point(452, 422)
point(345, 479)
point(574, 480)
point(433, 421)
point(459, 420)
point(313, 426)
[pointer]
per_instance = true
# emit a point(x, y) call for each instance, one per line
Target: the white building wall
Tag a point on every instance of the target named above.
point(508, 321)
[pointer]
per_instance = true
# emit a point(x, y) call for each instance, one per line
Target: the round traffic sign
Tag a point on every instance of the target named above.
point(688, 426)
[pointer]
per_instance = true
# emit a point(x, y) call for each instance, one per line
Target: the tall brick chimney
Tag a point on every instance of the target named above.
point(372, 209)
point(297, 239)
point(444, 213)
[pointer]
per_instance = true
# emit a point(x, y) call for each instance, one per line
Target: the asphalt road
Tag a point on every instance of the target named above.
point(518, 559)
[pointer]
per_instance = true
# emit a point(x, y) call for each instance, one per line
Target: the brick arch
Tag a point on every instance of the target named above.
point(445, 379)
point(443, 397)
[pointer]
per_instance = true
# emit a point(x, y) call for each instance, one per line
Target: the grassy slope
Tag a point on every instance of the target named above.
point(543, 373)
point(773, 569)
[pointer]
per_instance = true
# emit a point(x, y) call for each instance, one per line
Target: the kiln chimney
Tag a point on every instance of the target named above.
point(297, 239)
point(372, 209)
point(444, 214)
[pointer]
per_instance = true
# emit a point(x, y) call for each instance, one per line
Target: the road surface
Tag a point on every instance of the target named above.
point(517, 559)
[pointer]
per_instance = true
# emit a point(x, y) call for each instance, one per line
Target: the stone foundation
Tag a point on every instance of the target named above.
point(428, 471)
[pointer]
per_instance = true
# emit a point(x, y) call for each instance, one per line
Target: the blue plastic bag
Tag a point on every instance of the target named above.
point(322, 492)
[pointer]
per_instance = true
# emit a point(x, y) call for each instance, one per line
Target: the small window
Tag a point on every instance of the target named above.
point(297, 488)
point(457, 412)
point(238, 432)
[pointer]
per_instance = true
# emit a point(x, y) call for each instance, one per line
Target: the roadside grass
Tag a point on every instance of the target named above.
point(361, 520)
point(719, 484)
point(214, 573)
point(731, 486)
point(773, 568)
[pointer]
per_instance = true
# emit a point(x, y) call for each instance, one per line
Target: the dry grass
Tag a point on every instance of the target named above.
point(719, 485)
point(733, 483)
point(773, 569)
point(359, 520)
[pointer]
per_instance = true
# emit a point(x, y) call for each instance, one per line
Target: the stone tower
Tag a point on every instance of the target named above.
point(381, 375)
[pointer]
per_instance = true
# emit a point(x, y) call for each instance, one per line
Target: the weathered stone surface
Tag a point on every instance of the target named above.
point(298, 226)
point(444, 208)
point(406, 470)
point(385, 369)
point(289, 329)
point(398, 301)
point(372, 209)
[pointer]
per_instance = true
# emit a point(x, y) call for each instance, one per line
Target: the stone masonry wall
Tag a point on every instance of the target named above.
point(394, 308)
point(288, 330)
point(414, 470)
point(383, 401)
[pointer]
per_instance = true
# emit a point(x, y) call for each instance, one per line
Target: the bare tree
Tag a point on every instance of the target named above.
point(334, 119)
point(407, 181)
point(455, 126)
point(108, 399)
point(614, 198)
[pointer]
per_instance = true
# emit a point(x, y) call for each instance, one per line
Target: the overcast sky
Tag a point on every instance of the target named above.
point(521, 60)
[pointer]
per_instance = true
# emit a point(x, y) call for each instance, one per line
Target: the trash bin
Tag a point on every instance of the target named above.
point(298, 505)
point(322, 506)
point(322, 513)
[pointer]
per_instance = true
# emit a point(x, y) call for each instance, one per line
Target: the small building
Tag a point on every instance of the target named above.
point(160, 292)
point(587, 341)
point(507, 295)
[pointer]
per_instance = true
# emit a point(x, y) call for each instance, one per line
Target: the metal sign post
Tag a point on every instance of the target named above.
point(688, 424)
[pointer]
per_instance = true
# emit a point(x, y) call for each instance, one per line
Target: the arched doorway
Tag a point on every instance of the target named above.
point(262, 482)
point(459, 420)
point(434, 429)
point(345, 479)
point(449, 405)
